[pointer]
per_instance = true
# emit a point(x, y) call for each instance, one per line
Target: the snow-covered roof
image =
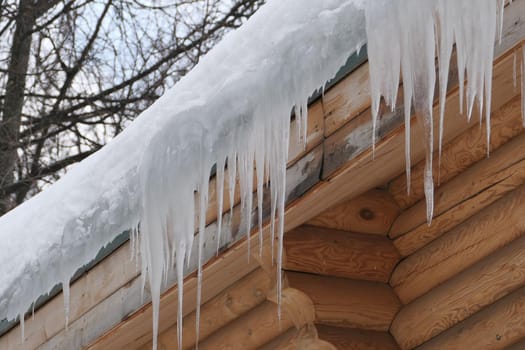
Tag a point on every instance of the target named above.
point(234, 104)
point(233, 108)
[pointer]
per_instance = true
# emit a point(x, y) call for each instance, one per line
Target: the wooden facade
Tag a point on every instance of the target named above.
point(362, 269)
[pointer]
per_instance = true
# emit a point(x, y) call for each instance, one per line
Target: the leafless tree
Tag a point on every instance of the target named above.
point(73, 73)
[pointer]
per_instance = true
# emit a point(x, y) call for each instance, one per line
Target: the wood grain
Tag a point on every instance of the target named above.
point(500, 325)
point(372, 212)
point(347, 99)
point(234, 301)
point(348, 303)
point(460, 297)
point(249, 331)
point(472, 181)
point(339, 253)
point(507, 181)
point(356, 339)
point(489, 230)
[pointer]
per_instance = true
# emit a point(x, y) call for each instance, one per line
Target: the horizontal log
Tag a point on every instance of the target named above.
point(234, 301)
point(502, 164)
point(339, 253)
point(348, 303)
point(372, 212)
point(356, 339)
point(496, 327)
point(305, 338)
point(489, 230)
point(460, 297)
point(262, 324)
point(347, 100)
point(249, 331)
point(89, 290)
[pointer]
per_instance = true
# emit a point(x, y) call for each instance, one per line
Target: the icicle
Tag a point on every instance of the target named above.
point(203, 206)
point(403, 33)
point(65, 292)
point(219, 181)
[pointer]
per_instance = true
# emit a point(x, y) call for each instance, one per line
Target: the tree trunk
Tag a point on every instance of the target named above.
point(14, 98)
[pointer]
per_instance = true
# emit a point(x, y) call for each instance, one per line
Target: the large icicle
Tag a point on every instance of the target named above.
point(406, 33)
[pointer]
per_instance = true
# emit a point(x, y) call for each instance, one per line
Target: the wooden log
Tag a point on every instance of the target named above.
point(339, 253)
point(489, 230)
point(461, 153)
point(505, 181)
point(373, 212)
point(262, 324)
point(249, 331)
point(89, 290)
point(356, 339)
point(305, 338)
point(496, 327)
point(460, 297)
point(466, 185)
point(346, 100)
point(234, 301)
point(348, 303)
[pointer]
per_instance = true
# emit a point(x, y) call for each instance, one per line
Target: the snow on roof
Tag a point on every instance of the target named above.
point(233, 108)
point(235, 104)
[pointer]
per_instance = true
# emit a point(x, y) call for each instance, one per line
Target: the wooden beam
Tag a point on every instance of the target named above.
point(489, 230)
point(347, 101)
point(249, 331)
point(348, 303)
point(357, 339)
point(496, 327)
point(501, 165)
point(465, 196)
point(234, 301)
point(372, 212)
point(460, 297)
point(305, 338)
point(262, 324)
point(339, 253)
point(461, 153)
point(89, 290)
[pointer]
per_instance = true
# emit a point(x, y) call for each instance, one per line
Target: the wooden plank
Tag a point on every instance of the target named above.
point(262, 324)
point(489, 230)
point(347, 99)
point(89, 290)
point(314, 133)
point(249, 331)
point(234, 301)
point(305, 338)
point(468, 183)
point(500, 325)
point(356, 339)
point(461, 153)
point(460, 297)
point(466, 195)
point(348, 303)
point(372, 212)
point(339, 253)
